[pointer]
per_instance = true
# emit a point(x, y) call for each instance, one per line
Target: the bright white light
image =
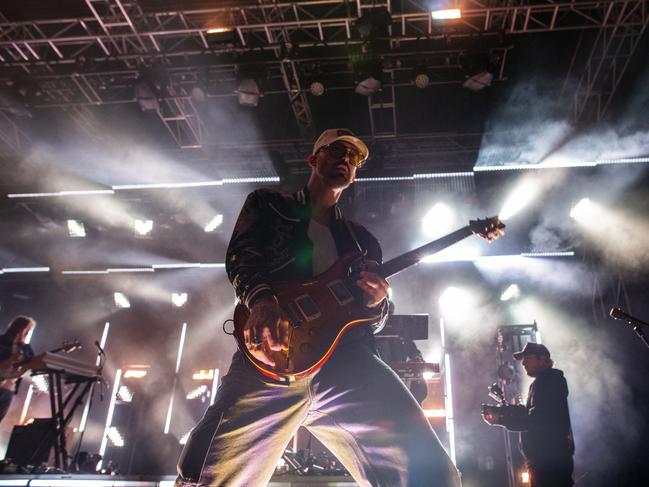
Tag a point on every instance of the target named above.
point(76, 228)
point(40, 383)
point(453, 299)
point(143, 227)
point(121, 301)
point(203, 374)
point(214, 223)
point(281, 463)
point(427, 375)
point(451, 13)
point(435, 413)
point(125, 394)
point(178, 299)
point(525, 477)
point(522, 195)
point(184, 438)
point(219, 30)
point(448, 403)
point(115, 437)
point(197, 392)
point(512, 292)
point(585, 211)
point(438, 221)
point(135, 373)
point(109, 416)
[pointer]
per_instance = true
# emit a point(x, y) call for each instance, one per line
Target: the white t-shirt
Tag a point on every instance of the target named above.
point(324, 247)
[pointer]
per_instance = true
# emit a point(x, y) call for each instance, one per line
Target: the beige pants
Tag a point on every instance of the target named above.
point(355, 405)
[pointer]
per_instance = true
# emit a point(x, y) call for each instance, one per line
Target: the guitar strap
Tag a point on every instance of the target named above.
point(352, 234)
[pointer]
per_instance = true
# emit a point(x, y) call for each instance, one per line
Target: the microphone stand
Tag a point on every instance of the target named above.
point(637, 324)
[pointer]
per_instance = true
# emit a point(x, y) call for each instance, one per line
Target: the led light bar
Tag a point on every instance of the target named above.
point(555, 165)
point(446, 14)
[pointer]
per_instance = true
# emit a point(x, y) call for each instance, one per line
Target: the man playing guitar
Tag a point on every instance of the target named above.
point(353, 403)
point(13, 351)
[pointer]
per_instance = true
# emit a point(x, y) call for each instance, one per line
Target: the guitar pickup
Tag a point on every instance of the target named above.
point(293, 315)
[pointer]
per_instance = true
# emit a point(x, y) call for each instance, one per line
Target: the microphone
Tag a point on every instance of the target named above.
point(618, 314)
point(101, 350)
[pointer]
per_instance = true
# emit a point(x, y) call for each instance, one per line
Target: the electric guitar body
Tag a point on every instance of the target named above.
point(321, 309)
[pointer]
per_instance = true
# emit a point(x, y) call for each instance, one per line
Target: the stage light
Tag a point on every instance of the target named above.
point(124, 394)
point(427, 375)
point(435, 413)
point(512, 292)
point(454, 299)
point(136, 372)
point(422, 80)
point(368, 74)
point(446, 14)
point(525, 477)
point(115, 437)
point(214, 223)
point(374, 22)
point(219, 30)
point(183, 440)
point(317, 88)
point(197, 392)
point(41, 383)
point(146, 96)
point(204, 374)
point(522, 195)
point(76, 228)
point(142, 227)
point(121, 301)
point(478, 81)
point(178, 299)
point(438, 220)
point(584, 211)
point(248, 92)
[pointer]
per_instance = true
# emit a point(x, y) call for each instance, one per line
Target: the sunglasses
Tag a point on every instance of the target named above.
point(340, 150)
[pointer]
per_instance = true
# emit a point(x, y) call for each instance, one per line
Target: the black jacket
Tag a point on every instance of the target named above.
point(546, 436)
point(270, 243)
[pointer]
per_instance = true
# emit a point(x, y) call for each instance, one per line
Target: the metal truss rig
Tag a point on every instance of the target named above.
point(122, 30)
point(119, 34)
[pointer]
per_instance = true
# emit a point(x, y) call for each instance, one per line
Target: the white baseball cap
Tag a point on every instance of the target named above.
point(330, 136)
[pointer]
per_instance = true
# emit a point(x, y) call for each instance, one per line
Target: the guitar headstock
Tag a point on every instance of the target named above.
point(488, 228)
point(70, 346)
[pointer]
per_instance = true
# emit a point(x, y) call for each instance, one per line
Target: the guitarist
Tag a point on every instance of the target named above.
point(13, 350)
point(355, 404)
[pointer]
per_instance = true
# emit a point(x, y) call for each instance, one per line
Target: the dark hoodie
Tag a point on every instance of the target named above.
point(546, 434)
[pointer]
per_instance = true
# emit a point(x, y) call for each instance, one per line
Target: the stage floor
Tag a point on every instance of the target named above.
point(69, 480)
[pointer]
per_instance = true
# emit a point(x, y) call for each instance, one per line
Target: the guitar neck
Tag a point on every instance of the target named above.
point(396, 265)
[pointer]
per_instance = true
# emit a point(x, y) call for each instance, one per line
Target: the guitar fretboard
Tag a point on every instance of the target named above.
point(396, 265)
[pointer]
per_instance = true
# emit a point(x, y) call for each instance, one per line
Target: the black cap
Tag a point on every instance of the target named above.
point(532, 348)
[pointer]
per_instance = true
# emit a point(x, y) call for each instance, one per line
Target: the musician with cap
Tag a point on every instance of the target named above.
point(546, 433)
point(354, 404)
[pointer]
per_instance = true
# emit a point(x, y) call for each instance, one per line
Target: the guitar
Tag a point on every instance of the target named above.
point(17, 365)
point(321, 309)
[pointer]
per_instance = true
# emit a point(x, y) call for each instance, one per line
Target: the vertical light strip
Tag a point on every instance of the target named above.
point(170, 409)
point(86, 408)
point(109, 417)
point(215, 385)
point(448, 404)
point(28, 399)
point(180, 346)
point(30, 391)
